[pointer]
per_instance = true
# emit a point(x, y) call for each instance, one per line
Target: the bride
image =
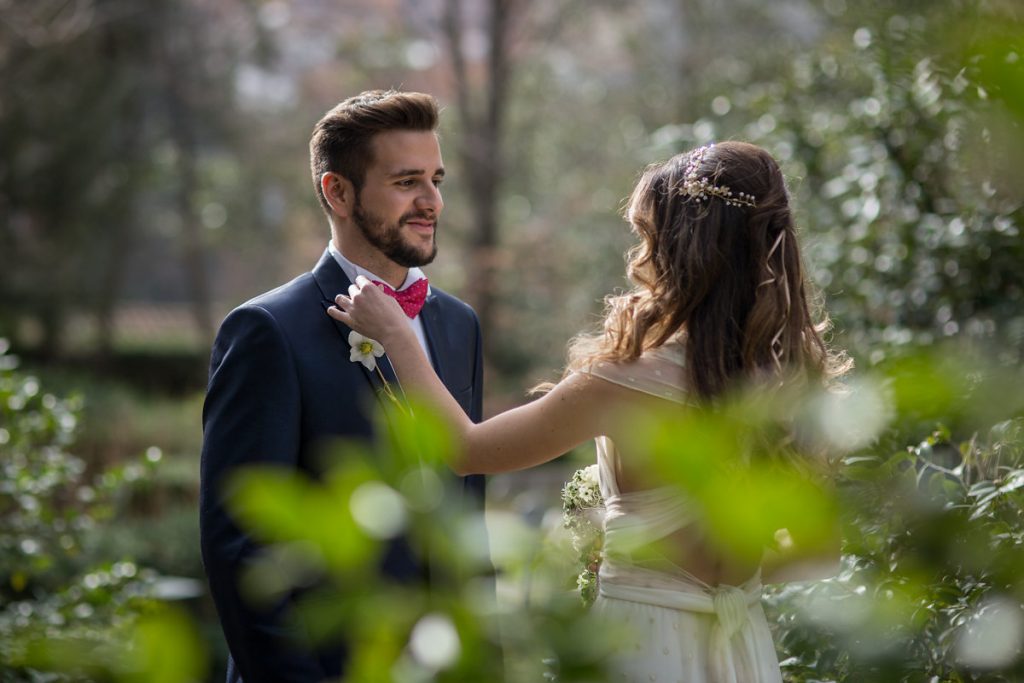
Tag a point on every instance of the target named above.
point(719, 301)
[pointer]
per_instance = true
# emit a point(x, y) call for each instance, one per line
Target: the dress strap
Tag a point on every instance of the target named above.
point(658, 372)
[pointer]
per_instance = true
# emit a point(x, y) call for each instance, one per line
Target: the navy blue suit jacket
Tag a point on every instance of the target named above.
point(281, 384)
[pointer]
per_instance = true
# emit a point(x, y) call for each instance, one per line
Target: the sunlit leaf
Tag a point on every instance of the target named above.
point(1001, 69)
point(166, 648)
point(416, 437)
point(282, 505)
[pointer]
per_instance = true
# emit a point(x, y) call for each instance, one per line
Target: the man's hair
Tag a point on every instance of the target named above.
point(341, 141)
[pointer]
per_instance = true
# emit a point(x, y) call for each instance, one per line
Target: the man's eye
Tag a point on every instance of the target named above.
point(438, 181)
point(408, 182)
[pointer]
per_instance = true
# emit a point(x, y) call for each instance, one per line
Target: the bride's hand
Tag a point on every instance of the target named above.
point(370, 312)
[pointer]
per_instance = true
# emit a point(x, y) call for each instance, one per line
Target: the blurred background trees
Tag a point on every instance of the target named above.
point(120, 122)
point(153, 174)
point(165, 181)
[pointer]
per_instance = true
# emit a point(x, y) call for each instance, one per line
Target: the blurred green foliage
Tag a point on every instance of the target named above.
point(902, 144)
point(929, 587)
point(68, 606)
point(899, 127)
point(327, 534)
point(930, 584)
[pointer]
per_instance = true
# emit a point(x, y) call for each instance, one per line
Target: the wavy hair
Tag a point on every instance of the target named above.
point(724, 279)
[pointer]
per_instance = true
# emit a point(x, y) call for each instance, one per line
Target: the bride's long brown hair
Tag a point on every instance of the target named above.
point(726, 279)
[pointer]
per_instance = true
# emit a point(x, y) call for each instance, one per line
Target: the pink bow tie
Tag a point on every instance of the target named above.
point(411, 298)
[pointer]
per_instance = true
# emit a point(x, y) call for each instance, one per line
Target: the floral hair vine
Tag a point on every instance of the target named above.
point(701, 188)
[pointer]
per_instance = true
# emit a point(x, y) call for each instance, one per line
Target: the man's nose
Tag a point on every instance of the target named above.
point(430, 200)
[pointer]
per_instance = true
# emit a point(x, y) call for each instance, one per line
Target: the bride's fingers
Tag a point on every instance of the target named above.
point(343, 302)
point(373, 295)
point(339, 315)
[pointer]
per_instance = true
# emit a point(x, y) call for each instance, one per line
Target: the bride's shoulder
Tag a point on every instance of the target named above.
point(670, 354)
point(658, 372)
point(673, 352)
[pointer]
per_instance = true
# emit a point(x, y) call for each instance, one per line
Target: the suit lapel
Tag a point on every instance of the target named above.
point(331, 280)
point(437, 336)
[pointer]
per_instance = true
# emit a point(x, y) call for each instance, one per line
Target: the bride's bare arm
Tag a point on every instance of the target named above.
point(537, 432)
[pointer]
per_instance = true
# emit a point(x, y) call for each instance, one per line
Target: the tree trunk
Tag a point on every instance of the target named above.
point(481, 145)
point(193, 252)
point(121, 47)
point(181, 108)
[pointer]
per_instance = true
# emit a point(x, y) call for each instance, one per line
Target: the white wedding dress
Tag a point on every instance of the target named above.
point(679, 629)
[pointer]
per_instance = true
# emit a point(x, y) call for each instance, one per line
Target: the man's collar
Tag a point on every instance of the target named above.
point(352, 270)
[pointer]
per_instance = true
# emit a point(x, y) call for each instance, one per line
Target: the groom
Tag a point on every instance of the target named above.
point(281, 382)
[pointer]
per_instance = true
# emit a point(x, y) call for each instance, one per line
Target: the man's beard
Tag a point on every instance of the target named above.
point(387, 238)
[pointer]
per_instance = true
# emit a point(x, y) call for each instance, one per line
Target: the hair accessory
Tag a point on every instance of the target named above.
point(701, 188)
point(783, 281)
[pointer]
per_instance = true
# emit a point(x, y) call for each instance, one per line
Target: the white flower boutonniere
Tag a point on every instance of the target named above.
point(364, 350)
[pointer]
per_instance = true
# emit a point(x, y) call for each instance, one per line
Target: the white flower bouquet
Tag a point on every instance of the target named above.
point(582, 512)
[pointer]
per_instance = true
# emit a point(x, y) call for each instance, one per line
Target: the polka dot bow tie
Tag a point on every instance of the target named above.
point(411, 298)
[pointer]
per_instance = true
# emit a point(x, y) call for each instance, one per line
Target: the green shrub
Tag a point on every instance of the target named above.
point(931, 587)
point(70, 611)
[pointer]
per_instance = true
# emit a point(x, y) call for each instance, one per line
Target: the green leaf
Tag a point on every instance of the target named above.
point(278, 504)
point(166, 648)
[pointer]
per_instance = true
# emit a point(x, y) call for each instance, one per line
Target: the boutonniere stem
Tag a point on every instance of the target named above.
point(366, 351)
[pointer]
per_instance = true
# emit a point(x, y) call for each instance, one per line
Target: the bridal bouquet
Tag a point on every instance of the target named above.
point(582, 510)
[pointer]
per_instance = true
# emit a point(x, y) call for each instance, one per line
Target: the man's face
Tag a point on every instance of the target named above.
point(399, 204)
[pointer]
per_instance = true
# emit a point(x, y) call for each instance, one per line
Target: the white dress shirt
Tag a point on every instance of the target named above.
point(415, 274)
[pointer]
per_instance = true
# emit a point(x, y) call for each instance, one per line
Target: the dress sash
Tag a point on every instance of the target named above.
point(732, 642)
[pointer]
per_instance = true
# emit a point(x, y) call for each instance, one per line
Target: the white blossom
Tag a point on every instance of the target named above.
point(583, 490)
point(364, 350)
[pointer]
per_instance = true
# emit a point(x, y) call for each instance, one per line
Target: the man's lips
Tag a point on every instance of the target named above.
point(421, 225)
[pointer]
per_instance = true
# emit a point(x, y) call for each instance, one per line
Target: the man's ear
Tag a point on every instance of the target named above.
point(339, 192)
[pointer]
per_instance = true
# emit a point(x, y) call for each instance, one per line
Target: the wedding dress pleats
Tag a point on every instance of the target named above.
point(677, 628)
